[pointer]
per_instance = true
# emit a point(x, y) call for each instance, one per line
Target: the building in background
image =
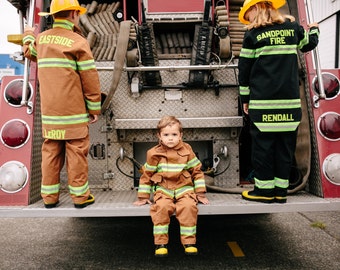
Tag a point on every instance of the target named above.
point(327, 14)
point(9, 67)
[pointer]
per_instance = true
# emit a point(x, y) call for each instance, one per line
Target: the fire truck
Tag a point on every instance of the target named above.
point(158, 58)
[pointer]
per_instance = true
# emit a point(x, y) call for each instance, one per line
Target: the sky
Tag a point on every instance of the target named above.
point(9, 24)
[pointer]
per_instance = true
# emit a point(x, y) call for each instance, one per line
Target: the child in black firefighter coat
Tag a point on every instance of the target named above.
point(269, 91)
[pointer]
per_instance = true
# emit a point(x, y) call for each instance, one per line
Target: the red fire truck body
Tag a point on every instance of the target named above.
point(201, 91)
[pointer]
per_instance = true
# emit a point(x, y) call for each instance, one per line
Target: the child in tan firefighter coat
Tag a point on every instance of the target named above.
point(70, 99)
point(173, 172)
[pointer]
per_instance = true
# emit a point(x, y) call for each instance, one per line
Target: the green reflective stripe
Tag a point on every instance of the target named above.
point(264, 184)
point(281, 183)
point(275, 104)
point(94, 106)
point(50, 189)
point(78, 191)
point(274, 50)
point(188, 231)
point(180, 191)
point(175, 193)
point(166, 167)
point(144, 189)
point(86, 65)
point(277, 126)
point(199, 183)
point(244, 90)
point(304, 41)
point(168, 192)
point(160, 229)
point(28, 38)
point(32, 50)
point(314, 31)
point(149, 167)
point(64, 120)
point(63, 24)
point(57, 62)
point(192, 163)
point(247, 53)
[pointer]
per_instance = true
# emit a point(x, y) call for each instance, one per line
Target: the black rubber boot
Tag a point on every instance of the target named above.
point(259, 195)
point(280, 195)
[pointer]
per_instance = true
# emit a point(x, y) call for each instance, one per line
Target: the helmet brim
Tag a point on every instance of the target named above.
point(81, 10)
point(276, 4)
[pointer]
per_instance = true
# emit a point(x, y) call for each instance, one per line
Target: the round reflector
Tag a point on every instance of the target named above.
point(330, 83)
point(13, 92)
point(329, 126)
point(15, 133)
point(331, 168)
point(13, 176)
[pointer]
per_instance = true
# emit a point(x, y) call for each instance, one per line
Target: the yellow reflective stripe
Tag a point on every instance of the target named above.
point(281, 183)
point(192, 163)
point(275, 104)
point(264, 184)
point(149, 167)
point(144, 189)
point(86, 65)
point(65, 119)
point(247, 53)
point(50, 189)
point(199, 183)
point(160, 229)
point(170, 193)
point(165, 167)
point(175, 193)
point(274, 50)
point(244, 90)
point(277, 126)
point(180, 191)
point(93, 106)
point(57, 62)
point(63, 24)
point(78, 191)
point(188, 231)
point(28, 38)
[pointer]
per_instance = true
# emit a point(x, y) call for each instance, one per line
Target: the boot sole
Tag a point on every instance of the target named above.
point(89, 201)
point(280, 199)
point(259, 199)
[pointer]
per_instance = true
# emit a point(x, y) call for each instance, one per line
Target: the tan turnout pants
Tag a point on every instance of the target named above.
point(54, 155)
point(186, 214)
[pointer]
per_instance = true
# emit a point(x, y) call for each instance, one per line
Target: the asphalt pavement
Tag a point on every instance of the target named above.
point(264, 241)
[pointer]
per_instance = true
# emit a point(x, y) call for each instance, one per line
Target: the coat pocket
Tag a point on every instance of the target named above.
point(156, 178)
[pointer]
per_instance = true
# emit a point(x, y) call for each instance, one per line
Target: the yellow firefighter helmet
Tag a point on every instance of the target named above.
point(249, 3)
point(61, 5)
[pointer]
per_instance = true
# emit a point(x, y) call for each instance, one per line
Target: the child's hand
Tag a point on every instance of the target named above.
point(142, 202)
point(315, 24)
point(202, 199)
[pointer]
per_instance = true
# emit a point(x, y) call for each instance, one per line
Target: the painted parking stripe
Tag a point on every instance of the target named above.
point(235, 249)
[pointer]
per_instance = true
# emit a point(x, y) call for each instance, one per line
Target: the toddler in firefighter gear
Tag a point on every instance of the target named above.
point(70, 100)
point(173, 172)
point(269, 91)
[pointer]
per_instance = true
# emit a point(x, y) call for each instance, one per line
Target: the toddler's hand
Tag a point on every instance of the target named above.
point(142, 202)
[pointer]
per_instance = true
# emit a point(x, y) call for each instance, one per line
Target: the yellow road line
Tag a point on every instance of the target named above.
point(236, 250)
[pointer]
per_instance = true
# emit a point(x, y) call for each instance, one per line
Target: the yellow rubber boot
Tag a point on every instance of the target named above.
point(190, 250)
point(161, 251)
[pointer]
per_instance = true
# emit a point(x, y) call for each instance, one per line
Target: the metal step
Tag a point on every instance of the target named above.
point(120, 204)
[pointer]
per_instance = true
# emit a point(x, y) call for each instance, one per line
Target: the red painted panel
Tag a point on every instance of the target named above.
point(160, 6)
